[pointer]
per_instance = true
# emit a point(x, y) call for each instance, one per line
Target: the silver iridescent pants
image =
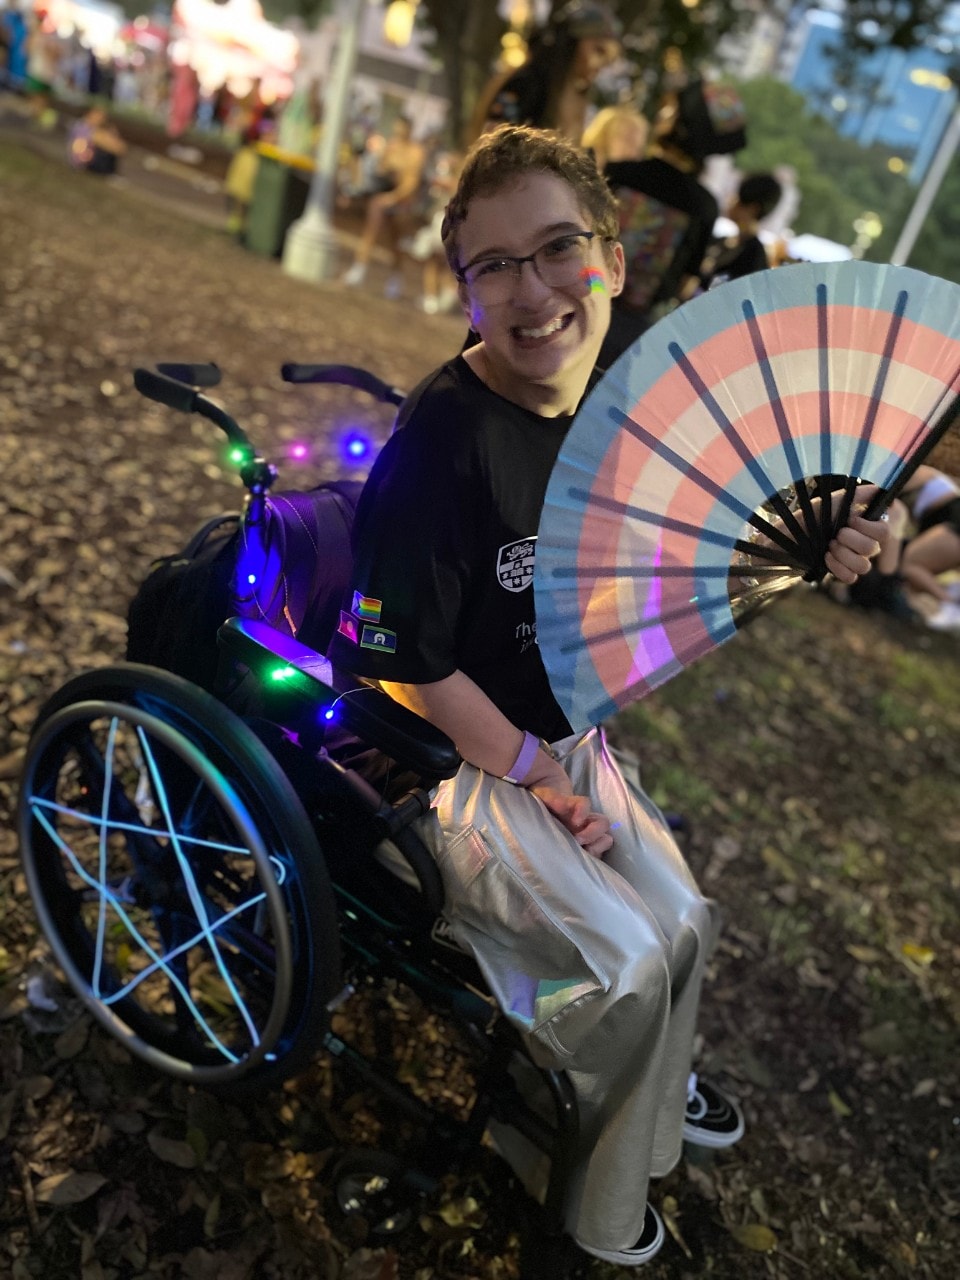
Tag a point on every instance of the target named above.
point(598, 962)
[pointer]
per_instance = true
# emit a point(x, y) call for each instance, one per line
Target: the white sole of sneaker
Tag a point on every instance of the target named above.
point(700, 1138)
point(630, 1257)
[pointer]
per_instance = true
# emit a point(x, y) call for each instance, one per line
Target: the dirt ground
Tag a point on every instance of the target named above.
point(817, 756)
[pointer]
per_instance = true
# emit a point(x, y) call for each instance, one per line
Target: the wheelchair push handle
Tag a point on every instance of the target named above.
point(179, 395)
point(345, 375)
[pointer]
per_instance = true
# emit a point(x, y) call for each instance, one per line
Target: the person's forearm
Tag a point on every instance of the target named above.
point(482, 733)
point(921, 579)
point(486, 738)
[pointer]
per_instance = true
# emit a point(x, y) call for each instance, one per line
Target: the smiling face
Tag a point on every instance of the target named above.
point(592, 55)
point(539, 345)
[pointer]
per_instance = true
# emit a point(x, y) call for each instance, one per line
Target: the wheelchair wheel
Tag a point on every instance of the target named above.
point(370, 1185)
point(177, 878)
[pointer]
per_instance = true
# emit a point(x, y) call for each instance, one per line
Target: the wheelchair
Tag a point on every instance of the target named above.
point(216, 881)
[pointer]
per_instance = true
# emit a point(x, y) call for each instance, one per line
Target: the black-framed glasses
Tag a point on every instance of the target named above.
point(558, 263)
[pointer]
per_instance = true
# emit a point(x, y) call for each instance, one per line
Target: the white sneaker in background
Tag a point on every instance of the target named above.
point(355, 275)
point(946, 618)
point(430, 304)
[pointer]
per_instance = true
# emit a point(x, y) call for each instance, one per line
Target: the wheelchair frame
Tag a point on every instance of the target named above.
point(290, 834)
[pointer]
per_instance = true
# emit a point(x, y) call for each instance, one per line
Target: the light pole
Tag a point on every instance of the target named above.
point(310, 247)
point(928, 191)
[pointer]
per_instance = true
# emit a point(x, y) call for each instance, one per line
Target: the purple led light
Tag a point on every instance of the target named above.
point(299, 451)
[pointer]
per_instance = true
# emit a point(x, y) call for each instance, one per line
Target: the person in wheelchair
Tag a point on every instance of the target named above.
point(560, 875)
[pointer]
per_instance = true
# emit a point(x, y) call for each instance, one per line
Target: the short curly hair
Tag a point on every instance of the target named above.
point(501, 157)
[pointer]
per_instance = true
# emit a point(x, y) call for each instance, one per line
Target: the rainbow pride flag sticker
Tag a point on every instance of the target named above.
point(367, 608)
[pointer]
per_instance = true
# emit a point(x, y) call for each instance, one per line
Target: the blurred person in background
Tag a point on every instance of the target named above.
point(95, 145)
point(552, 88)
point(394, 208)
point(13, 53)
point(933, 499)
point(616, 133)
point(257, 124)
point(43, 54)
point(426, 245)
point(743, 253)
point(666, 214)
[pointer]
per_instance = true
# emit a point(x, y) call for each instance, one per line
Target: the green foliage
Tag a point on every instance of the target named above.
point(838, 179)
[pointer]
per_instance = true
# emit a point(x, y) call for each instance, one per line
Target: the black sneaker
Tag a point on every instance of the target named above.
point(712, 1119)
point(647, 1247)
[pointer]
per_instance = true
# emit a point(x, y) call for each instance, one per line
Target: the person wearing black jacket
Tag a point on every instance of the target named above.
point(666, 214)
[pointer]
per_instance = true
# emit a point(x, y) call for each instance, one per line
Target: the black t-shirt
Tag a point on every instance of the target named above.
point(444, 540)
point(737, 260)
point(666, 221)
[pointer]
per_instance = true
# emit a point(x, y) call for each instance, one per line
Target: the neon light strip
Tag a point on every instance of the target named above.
point(102, 859)
point(133, 931)
point(172, 955)
point(196, 899)
point(158, 832)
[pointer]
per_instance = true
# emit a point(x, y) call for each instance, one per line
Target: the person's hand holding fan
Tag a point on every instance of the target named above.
point(716, 461)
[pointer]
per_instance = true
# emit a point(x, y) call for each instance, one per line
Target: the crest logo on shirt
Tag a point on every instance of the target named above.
point(515, 564)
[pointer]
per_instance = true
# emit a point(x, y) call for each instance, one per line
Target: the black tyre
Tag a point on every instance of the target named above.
point(373, 1185)
point(177, 878)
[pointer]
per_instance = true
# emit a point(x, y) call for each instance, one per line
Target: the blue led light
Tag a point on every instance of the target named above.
point(355, 446)
point(328, 713)
point(251, 578)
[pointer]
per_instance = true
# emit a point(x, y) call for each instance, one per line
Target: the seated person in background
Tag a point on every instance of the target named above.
point(666, 214)
point(95, 144)
point(552, 88)
point(560, 876)
point(616, 133)
point(400, 173)
point(934, 502)
point(740, 255)
point(883, 587)
point(426, 245)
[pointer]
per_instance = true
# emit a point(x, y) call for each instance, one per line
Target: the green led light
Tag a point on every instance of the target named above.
point(283, 673)
point(238, 454)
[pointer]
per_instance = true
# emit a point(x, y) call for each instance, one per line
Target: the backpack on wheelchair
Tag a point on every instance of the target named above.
point(216, 876)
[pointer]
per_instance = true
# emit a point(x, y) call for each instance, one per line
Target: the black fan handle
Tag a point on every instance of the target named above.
point(882, 499)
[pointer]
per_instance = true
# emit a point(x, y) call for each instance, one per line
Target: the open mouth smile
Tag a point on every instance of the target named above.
point(542, 334)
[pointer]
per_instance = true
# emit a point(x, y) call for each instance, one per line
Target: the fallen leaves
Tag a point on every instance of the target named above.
point(174, 1151)
point(68, 1188)
point(755, 1236)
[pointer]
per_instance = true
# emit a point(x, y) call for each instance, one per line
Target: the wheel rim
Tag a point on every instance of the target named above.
point(155, 890)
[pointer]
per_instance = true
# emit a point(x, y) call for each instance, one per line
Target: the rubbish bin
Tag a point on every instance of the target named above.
point(280, 192)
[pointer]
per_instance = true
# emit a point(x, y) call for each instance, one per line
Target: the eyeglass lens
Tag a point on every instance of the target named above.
point(558, 263)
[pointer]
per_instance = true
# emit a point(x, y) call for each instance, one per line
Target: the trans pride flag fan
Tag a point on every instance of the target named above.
point(692, 487)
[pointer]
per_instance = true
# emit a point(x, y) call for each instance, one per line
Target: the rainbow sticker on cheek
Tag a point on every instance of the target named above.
point(594, 279)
